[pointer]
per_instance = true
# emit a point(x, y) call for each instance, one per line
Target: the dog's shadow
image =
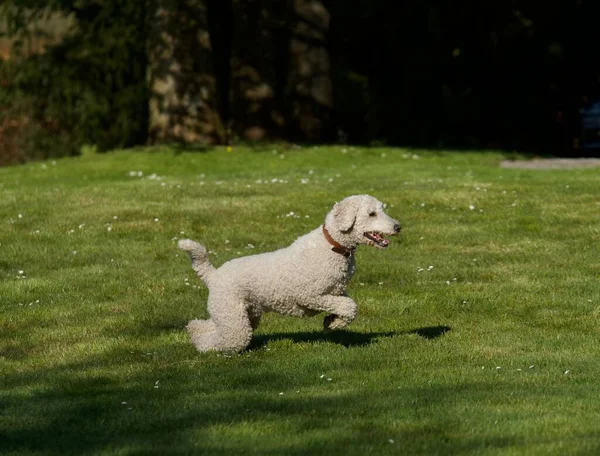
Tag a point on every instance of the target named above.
point(345, 338)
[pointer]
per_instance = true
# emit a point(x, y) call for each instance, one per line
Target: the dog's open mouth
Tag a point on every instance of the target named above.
point(377, 239)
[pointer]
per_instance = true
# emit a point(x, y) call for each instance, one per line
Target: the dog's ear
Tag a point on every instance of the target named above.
point(344, 214)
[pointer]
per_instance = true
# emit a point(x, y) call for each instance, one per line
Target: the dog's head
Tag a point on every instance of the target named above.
point(360, 219)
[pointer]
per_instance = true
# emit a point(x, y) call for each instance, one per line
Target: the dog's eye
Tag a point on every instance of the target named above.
point(372, 214)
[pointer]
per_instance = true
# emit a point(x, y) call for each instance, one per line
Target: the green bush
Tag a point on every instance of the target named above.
point(90, 88)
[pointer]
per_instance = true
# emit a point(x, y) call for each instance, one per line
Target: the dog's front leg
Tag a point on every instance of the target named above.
point(342, 310)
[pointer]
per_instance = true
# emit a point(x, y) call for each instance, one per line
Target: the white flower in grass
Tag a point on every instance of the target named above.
point(250, 246)
point(156, 219)
point(21, 272)
point(109, 228)
point(471, 207)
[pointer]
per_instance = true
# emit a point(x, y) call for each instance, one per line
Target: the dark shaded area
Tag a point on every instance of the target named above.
point(220, 26)
point(465, 74)
point(74, 408)
point(459, 74)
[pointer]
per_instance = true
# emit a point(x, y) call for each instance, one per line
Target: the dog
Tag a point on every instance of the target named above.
point(306, 278)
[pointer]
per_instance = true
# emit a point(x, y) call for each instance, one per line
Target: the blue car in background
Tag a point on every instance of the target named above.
point(590, 125)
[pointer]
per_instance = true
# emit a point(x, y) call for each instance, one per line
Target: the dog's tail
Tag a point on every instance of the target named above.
point(199, 257)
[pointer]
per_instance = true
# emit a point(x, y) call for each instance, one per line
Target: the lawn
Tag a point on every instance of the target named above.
point(477, 333)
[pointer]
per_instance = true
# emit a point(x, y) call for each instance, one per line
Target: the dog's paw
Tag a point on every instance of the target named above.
point(329, 323)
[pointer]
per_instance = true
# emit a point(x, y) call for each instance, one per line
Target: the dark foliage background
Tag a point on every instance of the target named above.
point(89, 88)
point(425, 73)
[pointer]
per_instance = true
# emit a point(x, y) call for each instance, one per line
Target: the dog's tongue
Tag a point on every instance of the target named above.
point(383, 241)
point(380, 239)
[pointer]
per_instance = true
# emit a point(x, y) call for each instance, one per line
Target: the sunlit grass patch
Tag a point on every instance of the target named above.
point(477, 328)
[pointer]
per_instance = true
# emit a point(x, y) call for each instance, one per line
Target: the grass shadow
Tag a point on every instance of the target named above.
point(430, 332)
point(345, 338)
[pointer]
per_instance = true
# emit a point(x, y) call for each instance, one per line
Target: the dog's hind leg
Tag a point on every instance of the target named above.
point(203, 334)
point(233, 331)
point(228, 331)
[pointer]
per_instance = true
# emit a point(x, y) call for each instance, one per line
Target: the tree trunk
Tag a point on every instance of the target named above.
point(259, 68)
point(309, 83)
point(182, 84)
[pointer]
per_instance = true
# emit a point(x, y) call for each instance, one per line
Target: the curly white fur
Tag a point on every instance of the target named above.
point(303, 279)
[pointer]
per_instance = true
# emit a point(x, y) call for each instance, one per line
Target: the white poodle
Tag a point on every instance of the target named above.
point(308, 277)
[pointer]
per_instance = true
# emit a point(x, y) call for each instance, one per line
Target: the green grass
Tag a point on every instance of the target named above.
point(477, 330)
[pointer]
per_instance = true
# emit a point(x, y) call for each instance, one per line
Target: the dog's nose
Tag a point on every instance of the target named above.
point(397, 227)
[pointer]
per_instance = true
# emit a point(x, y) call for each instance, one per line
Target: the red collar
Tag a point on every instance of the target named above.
point(337, 248)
